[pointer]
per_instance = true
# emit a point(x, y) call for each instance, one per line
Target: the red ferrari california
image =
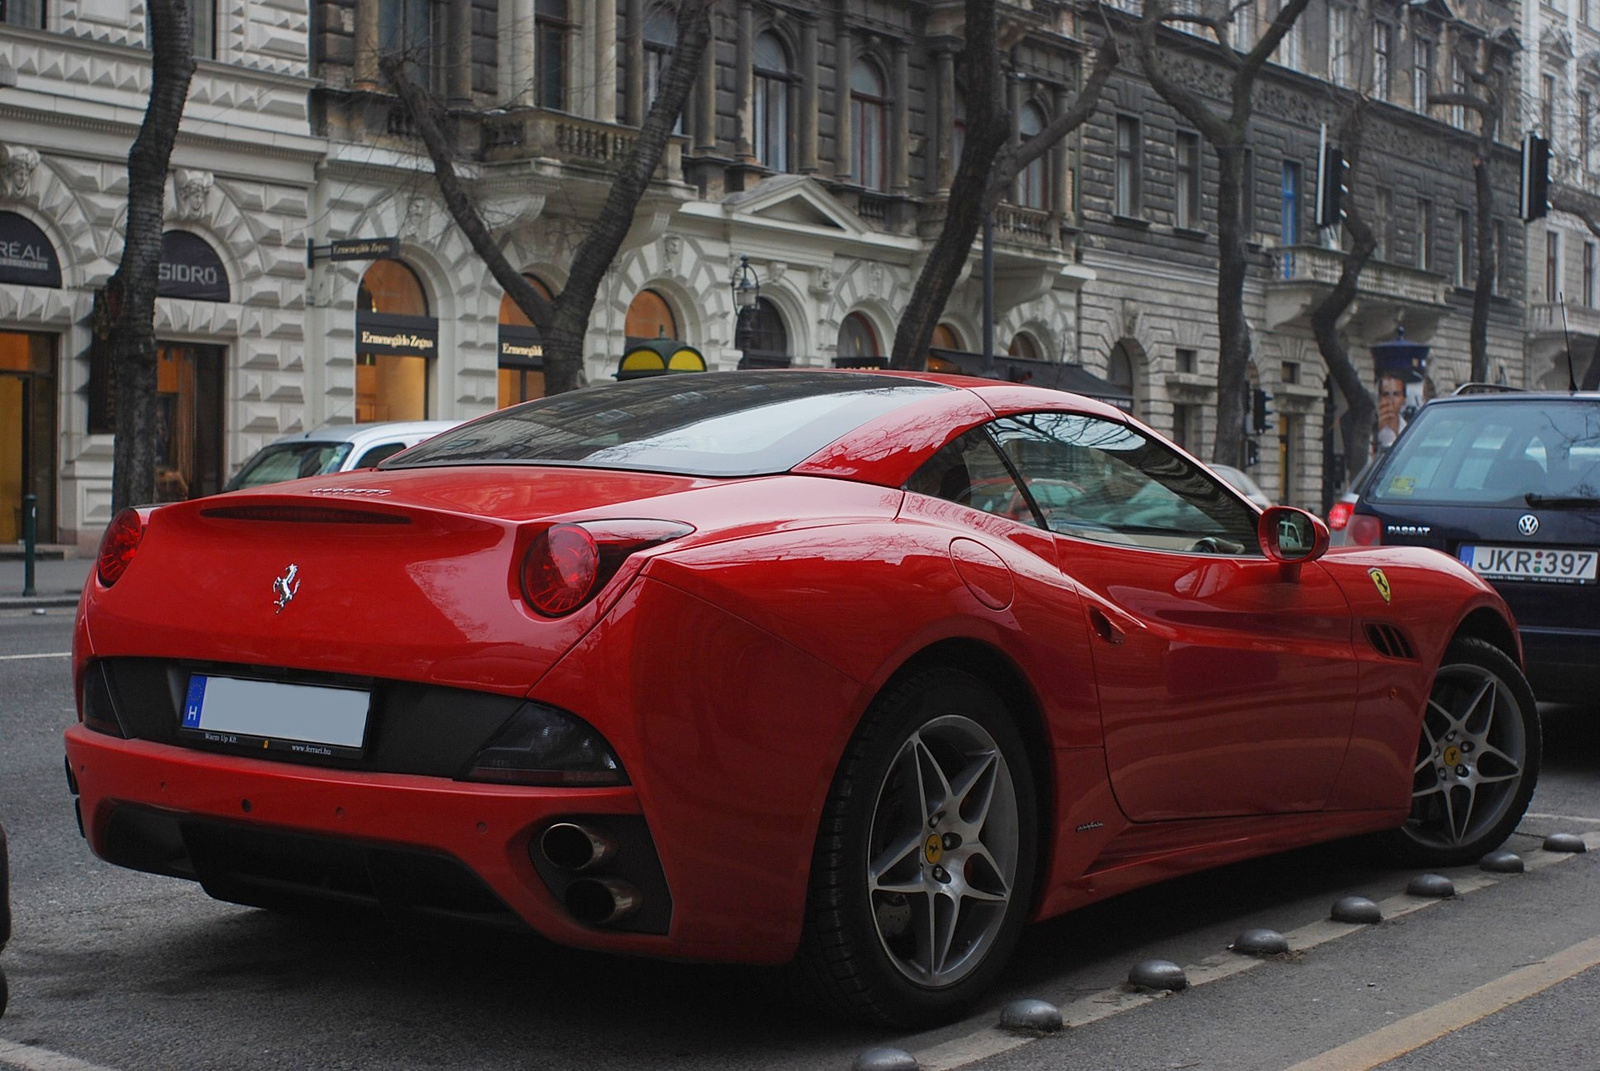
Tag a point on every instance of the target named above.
point(856, 670)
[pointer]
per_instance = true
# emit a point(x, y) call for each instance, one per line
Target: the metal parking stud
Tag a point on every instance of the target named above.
point(1356, 909)
point(1031, 1017)
point(1260, 943)
point(1565, 842)
point(1157, 974)
point(1435, 885)
point(885, 1059)
point(1502, 862)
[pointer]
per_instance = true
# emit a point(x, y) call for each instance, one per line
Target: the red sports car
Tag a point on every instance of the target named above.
point(735, 667)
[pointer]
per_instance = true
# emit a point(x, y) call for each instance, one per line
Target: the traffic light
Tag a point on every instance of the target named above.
point(1252, 453)
point(1333, 176)
point(1534, 199)
point(1260, 412)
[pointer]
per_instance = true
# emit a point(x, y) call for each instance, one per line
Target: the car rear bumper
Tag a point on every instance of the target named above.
point(263, 832)
point(1562, 664)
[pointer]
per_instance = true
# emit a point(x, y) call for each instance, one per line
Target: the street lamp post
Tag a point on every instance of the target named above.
point(746, 294)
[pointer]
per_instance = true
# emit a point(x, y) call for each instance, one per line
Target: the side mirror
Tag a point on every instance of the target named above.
point(1291, 536)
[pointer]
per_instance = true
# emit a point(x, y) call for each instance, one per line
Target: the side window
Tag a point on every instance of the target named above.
point(382, 452)
point(1101, 480)
point(970, 472)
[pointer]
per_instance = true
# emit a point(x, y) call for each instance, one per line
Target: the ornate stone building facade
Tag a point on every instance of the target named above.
point(315, 276)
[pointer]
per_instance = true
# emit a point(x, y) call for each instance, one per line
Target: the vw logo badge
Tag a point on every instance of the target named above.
point(1527, 524)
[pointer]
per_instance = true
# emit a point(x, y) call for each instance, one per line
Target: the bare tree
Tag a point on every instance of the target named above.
point(1225, 129)
point(1484, 101)
point(1325, 317)
point(564, 321)
point(125, 311)
point(990, 163)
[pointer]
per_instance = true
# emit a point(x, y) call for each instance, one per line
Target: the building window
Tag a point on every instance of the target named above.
point(660, 36)
point(1547, 105)
point(1421, 74)
point(1585, 118)
point(550, 43)
point(1501, 264)
point(1289, 52)
point(1458, 86)
point(393, 347)
point(857, 340)
point(1186, 427)
point(649, 317)
point(1128, 166)
point(1339, 44)
point(202, 28)
point(1425, 235)
point(1185, 361)
point(1552, 266)
point(414, 29)
point(1244, 25)
point(1188, 181)
point(521, 365)
point(1384, 203)
point(1588, 274)
point(1382, 49)
point(869, 108)
point(771, 104)
point(1288, 454)
point(1033, 182)
point(1463, 247)
point(22, 13)
point(1289, 219)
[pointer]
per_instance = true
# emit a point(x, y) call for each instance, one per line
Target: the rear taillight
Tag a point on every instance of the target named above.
point(1365, 531)
point(1339, 515)
point(566, 564)
point(118, 545)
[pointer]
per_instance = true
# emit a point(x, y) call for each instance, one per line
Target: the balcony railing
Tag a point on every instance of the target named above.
point(528, 133)
point(1032, 227)
point(1314, 264)
point(1547, 319)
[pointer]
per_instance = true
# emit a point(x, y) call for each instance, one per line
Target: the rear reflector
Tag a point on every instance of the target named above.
point(1365, 530)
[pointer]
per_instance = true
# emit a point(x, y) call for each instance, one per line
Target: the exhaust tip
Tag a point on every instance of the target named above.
point(570, 846)
point(602, 901)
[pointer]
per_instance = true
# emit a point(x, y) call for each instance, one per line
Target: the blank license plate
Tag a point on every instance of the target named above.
point(297, 718)
point(1552, 564)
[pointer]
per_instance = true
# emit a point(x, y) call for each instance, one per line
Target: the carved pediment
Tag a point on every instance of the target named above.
point(795, 200)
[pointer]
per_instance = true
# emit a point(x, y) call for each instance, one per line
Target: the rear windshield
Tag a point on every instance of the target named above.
point(1495, 453)
point(701, 424)
point(289, 461)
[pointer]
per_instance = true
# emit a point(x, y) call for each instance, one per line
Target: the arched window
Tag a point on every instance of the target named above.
point(1120, 373)
point(762, 337)
point(521, 351)
point(550, 33)
point(771, 104)
point(1033, 181)
point(945, 338)
point(1025, 346)
point(650, 317)
point(869, 107)
point(857, 340)
point(395, 339)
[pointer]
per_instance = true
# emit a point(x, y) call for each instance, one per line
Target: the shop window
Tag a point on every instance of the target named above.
point(762, 337)
point(1025, 346)
point(650, 317)
point(521, 351)
point(188, 421)
point(395, 341)
point(858, 341)
point(28, 401)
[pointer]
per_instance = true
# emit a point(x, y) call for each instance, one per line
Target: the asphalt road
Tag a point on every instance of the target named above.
point(116, 971)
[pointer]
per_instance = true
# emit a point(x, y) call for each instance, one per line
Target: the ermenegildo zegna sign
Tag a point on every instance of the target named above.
point(190, 268)
point(521, 345)
point(26, 255)
point(401, 336)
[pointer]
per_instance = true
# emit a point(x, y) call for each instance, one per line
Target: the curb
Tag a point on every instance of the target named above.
point(19, 602)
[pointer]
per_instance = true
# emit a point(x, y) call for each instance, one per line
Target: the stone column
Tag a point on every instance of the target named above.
point(1013, 93)
point(516, 51)
point(458, 78)
point(1060, 163)
point(944, 117)
point(844, 55)
point(744, 86)
point(806, 127)
point(705, 99)
point(366, 58)
point(900, 122)
point(605, 61)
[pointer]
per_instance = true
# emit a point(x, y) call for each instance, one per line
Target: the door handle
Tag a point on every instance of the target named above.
point(1104, 628)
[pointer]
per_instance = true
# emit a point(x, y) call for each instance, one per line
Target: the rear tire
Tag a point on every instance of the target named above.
point(1477, 759)
point(923, 872)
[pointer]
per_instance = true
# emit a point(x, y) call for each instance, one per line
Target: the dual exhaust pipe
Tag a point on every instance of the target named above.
point(578, 849)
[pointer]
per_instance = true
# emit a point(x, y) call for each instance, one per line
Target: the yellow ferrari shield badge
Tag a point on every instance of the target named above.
point(934, 848)
point(1381, 582)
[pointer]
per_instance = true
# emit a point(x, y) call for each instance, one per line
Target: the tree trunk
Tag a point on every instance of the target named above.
point(564, 321)
point(1325, 317)
point(129, 302)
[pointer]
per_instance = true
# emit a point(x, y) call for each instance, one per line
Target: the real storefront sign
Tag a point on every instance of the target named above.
point(401, 336)
point(27, 256)
point(190, 268)
point(521, 346)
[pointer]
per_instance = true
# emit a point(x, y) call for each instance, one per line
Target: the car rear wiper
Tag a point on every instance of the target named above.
point(1562, 501)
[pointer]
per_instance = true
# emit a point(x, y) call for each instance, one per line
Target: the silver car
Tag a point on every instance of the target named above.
point(338, 448)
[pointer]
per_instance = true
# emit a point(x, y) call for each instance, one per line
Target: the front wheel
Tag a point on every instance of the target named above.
point(924, 864)
point(1477, 760)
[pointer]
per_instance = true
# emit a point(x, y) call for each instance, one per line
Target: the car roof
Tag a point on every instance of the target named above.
point(361, 434)
point(1486, 397)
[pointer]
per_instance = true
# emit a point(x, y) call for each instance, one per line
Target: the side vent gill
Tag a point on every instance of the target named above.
point(1389, 641)
point(302, 515)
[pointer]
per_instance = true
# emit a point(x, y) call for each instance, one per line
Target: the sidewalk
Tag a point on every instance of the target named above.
point(56, 580)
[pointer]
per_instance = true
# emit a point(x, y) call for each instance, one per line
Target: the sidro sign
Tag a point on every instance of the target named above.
point(26, 255)
point(190, 268)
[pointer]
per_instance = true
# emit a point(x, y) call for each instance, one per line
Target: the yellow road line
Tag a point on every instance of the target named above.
point(1425, 1027)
